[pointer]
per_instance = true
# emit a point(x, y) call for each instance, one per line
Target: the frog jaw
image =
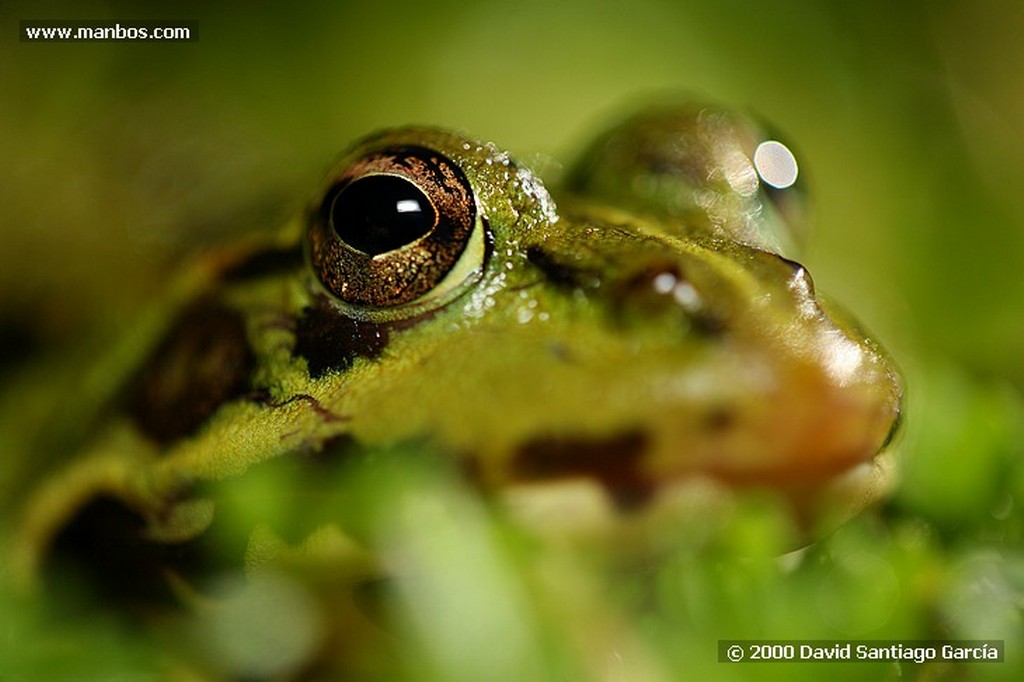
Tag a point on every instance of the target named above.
point(826, 463)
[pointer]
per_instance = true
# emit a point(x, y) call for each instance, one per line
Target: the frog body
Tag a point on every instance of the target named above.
point(642, 328)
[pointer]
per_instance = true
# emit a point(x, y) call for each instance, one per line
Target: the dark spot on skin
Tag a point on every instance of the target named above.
point(561, 274)
point(612, 460)
point(331, 341)
point(561, 352)
point(720, 419)
point(204, 361)
point(104, 546)
point(264, 264)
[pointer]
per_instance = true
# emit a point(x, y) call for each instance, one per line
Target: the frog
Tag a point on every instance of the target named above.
point(590, 354)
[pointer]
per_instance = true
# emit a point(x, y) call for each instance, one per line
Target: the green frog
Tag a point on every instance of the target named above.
point(591, 359)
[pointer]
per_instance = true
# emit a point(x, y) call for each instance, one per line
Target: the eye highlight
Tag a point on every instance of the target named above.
point(398, 226)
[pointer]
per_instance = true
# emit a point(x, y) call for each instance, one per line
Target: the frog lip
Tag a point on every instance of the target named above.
point(613, 469)
point(582, 509)
point(797, 473)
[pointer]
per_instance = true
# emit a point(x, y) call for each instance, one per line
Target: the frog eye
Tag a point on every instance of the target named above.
point(397, 231)
point(713, 169)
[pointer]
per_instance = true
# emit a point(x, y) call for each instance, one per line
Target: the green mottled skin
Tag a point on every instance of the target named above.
point(755, 382)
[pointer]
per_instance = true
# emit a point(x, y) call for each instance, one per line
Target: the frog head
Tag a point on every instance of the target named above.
point(644, 331)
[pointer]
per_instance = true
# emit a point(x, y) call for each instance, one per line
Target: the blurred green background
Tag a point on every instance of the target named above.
point(116, 159)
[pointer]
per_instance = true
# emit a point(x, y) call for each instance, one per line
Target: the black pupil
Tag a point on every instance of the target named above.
point(381, 213)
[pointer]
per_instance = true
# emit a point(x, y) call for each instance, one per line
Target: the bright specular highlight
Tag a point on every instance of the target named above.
point(775, 164)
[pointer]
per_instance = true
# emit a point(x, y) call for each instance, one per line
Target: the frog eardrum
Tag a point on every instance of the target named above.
point(396, 226)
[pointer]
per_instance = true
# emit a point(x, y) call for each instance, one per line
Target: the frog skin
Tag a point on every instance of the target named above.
point(584, 359)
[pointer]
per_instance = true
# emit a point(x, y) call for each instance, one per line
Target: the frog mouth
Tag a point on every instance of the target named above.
point(583, 509)
point(616, 464)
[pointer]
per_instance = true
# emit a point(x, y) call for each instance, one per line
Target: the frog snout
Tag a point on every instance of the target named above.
point(807, 395)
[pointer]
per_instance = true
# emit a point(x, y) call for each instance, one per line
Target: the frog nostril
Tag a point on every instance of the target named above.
point(656, 285)
point(799, 278)
point(662, 288)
